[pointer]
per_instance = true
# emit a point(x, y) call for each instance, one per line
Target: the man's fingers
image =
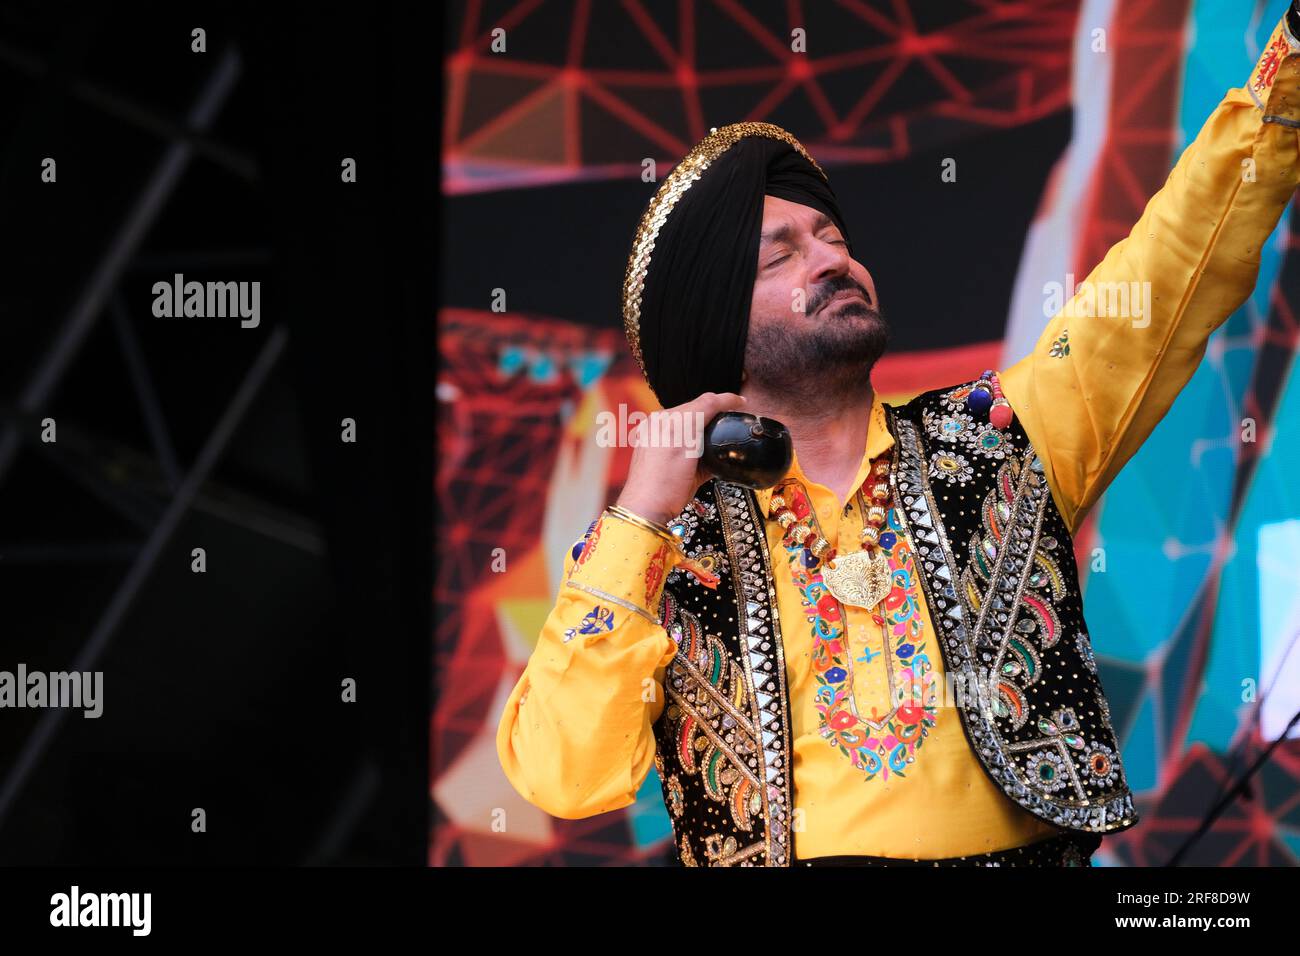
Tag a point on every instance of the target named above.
point(722, 401)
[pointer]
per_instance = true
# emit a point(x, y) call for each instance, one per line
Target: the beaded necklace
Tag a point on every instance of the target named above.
point(860, 578)
point(880, 743)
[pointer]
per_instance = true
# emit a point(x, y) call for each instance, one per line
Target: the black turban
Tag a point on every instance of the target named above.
point(690, 277)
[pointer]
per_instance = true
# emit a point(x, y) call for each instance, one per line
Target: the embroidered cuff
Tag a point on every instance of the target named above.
point(1274, 84)
point(624, 564)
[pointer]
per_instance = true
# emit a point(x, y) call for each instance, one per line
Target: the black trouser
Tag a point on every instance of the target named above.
point(1064, 849)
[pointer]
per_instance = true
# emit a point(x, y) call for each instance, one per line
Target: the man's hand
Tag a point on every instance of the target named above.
point(662, 478)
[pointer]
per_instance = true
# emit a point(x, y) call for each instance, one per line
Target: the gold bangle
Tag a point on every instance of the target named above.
point(647, 524)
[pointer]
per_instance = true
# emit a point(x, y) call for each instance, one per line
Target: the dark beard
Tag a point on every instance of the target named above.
point(828, 355)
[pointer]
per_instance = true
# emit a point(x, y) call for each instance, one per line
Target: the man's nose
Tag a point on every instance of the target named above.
point(832, 260)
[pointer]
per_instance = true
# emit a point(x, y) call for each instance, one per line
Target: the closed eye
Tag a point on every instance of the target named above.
point(783, 258)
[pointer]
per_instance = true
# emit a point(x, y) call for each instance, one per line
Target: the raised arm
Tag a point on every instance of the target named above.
point(575, 738)
point(1110, 363)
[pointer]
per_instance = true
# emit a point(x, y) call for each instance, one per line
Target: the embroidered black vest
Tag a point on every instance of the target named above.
point(997, 568)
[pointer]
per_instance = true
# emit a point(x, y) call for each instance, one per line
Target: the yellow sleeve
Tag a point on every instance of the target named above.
point(576, 735)
point(1110, 363)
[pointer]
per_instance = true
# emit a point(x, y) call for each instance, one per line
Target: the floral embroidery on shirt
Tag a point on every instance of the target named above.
point(654, 574)
point(593, 538)
point(598, 620)
point(1061, 347)
point(877, 744)
point(581, 543)
point(1269, 63)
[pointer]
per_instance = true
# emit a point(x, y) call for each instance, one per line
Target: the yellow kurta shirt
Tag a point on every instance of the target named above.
point(922, 793)
point(576, 736)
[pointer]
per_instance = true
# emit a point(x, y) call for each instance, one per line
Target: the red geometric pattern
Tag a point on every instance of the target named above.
point(508, 387)
point(497, 446)
point(1145, 42)
point(877, 80)
point(587, 90)
point(1246, 834)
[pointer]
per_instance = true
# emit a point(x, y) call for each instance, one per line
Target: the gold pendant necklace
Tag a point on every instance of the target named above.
point(860, 578)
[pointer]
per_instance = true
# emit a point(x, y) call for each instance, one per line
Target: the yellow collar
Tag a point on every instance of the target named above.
point(878, 441)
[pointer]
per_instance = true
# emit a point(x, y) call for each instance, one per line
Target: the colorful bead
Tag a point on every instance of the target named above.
point(986, 396)
point(1000, 413)
point(806, 530)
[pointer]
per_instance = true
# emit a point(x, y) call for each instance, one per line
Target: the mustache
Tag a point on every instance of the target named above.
point(834, 287)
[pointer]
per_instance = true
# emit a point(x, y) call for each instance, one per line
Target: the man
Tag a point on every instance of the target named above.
point(883, 659)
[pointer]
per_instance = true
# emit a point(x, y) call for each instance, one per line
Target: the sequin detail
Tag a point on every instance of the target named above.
point(689, 170)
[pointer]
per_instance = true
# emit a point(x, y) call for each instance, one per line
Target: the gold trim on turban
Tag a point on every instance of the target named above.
point(670, 191)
